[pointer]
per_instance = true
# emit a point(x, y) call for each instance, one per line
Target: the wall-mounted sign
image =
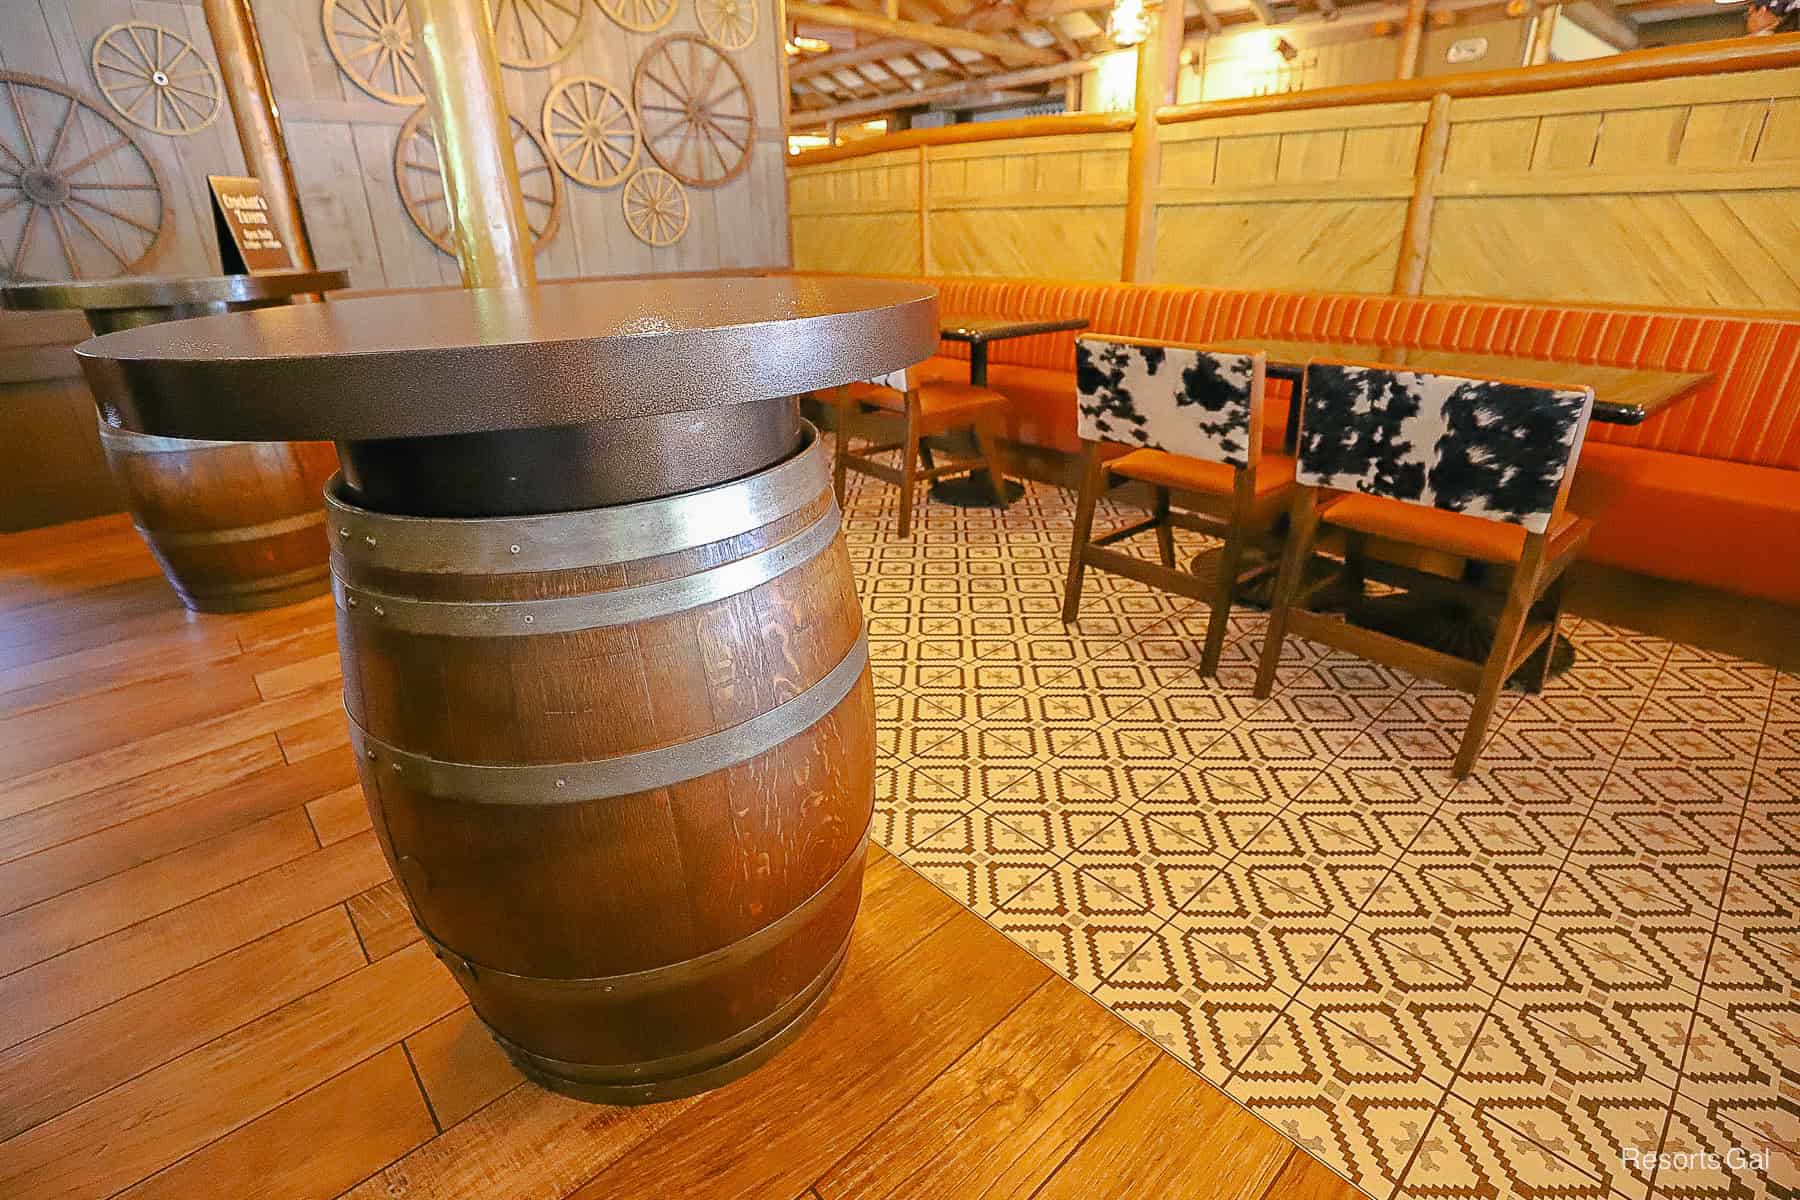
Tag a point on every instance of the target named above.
point(249, 243)
point(1467, 50)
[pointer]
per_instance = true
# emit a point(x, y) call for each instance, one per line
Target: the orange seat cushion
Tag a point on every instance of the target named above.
point(1723, 524)
point(937, 401)
point(1274, 474)
point(1436, 528)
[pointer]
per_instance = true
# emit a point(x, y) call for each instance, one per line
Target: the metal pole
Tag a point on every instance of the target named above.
point(461, 72)
point(239, 50)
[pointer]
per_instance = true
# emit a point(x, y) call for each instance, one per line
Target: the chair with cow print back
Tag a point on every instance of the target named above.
point(1475, 469)
point(1193, 420)
point(927, 408)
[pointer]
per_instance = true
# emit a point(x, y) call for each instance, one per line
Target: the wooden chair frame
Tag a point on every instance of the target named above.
point(1528, 618)
point(917, 426)
point(1235, 529)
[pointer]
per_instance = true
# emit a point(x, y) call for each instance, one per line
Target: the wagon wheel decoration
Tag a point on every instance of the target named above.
point(656, 209)
point(154, 77)
point(535, 33)
point(590, 131)
point(372, 41)
point(421, 179)
point(695, 109)
point(78, 197)
point(639, 16)
point(731, 23)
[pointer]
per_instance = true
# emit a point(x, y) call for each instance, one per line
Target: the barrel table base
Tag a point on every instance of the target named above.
point(621, 761)
point(235, 526)
point(762, 1042)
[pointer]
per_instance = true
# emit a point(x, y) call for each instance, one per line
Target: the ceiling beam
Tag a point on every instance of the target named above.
point(1006, 50)
point(1210, 18)
point(887, 48)
point(1265, 12)
point(975, 91)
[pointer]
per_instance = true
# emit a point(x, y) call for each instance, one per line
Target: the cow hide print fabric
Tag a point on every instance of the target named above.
point(1190, 402)
point(1477, 447)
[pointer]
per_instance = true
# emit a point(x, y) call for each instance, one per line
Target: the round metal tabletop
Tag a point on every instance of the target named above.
point(168, 291)
point(454, 362)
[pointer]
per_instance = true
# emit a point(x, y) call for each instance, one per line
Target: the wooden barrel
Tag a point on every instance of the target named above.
point(237, 526)
point(622, 762)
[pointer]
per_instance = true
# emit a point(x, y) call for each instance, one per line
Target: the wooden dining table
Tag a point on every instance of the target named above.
point(976, 489)
point(1622, 395)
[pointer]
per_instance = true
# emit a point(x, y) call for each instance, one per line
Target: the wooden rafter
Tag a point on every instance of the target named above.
point(973, 91)
point(945, 37)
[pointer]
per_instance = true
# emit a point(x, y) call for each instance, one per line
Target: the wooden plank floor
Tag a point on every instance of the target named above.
point(209, 985)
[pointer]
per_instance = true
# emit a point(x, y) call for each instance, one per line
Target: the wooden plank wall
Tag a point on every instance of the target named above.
point(1315, 198)
point(54, 39)
point(1682, 191)
point(341, 140)
point(999, 207)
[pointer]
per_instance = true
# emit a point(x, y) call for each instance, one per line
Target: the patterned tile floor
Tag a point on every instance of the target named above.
point(1573, 974)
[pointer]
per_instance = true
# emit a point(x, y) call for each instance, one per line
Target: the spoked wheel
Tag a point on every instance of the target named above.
point(79, 199)
point(589, 130)
point(656, 209)
point(695, 109)
point(372, 41)
point(639, 16)
point(155, 78)
point(421, 179)
point(535, 33)
point(731, 23)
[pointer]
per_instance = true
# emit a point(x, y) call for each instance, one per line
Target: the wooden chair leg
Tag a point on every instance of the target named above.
point(1355, 573)
point(987, 438)
point(841, 460)
point(1093, 474)
point(909, 470)
point(1303, 529)
point(1519, 598)
point(1540, 679)
point(1165, 531)
point(1230, 562)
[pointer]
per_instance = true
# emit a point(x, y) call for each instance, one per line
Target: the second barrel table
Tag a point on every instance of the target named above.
point(234, 525)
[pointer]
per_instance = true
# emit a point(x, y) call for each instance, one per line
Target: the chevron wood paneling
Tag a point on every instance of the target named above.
point(1287, 199)
point(1679, 191)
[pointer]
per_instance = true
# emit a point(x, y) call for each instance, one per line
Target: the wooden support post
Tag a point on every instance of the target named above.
point(239, 51)
point(924, 210)
point(1415, 236)
point(1412, 36)
point(461, 71)
point(1144, 165)
point(1543, 24)
point(1172, 26)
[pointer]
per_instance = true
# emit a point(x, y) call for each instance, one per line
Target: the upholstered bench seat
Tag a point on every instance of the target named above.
point(1709, 521)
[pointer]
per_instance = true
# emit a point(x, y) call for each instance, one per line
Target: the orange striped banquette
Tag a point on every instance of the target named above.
point(1706, 492)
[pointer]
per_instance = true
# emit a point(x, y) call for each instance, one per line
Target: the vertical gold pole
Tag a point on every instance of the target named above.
point(1144, 165)
point(1412, 36)
point(239, 51)
point(1415, 235)
point(461, 72)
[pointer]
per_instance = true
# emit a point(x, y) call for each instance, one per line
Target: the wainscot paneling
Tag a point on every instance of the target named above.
point(1677, 191)
point(1315, 198)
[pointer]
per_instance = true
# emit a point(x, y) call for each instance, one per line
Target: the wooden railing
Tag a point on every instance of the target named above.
point(1641, 178)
